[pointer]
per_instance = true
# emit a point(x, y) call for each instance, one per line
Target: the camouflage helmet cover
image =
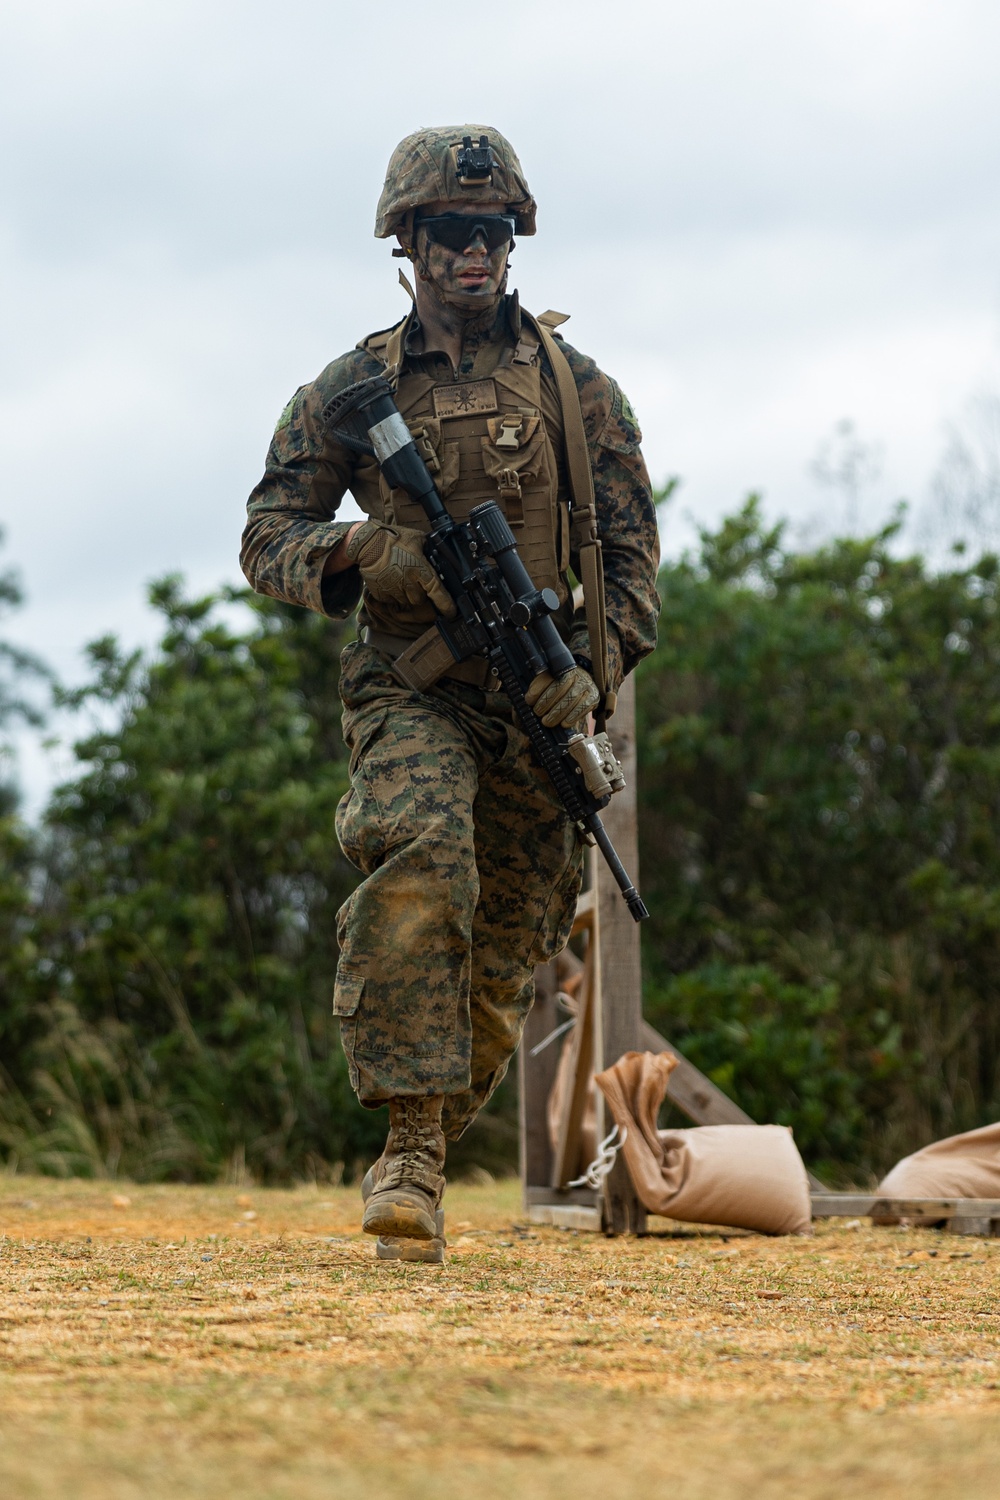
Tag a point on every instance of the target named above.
point(425, 168)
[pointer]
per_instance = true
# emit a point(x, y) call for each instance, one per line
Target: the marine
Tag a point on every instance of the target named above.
point(471, 866)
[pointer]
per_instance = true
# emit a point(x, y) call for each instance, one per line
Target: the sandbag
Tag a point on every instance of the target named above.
point(745, 1176)
point(960, 1166)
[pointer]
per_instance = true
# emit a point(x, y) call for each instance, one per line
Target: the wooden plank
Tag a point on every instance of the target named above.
point(583, 1197)
point(620, 1023)
point(870, 1205)
point(690, 1090)
point(578, 1208)
point(566, 1162)
point(939, 1208)
point(566, 1216)
point(535, 1078)
point(983, 1227)
point(841, 1205)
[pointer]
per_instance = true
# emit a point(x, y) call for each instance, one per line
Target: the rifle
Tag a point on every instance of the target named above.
point(501, 615)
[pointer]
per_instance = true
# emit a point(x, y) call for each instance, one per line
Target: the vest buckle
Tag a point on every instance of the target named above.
point(509, 436)
point(509, 484)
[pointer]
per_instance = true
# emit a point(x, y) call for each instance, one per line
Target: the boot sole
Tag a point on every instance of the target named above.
point(425, 1252)
point(399, 1221)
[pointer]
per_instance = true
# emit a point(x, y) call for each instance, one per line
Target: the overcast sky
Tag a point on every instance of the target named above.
point(765, 217)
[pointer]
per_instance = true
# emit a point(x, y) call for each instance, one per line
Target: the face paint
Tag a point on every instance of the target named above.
point(470, 280)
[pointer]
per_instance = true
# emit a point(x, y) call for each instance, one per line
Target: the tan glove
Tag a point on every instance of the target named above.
point(394, 568)
point(565, 700)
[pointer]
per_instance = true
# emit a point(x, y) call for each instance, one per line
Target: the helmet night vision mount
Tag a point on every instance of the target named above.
point(474, 164)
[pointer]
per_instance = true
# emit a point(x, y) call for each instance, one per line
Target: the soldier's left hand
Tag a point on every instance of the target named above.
point(392, 563)
point(565, 700)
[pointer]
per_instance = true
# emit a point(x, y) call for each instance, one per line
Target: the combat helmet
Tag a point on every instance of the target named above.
point(453, 164)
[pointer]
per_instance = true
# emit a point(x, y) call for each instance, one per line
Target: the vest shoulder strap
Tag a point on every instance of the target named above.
point(387, 347)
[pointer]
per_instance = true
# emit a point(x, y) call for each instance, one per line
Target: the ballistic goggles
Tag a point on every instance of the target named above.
point(457, 231)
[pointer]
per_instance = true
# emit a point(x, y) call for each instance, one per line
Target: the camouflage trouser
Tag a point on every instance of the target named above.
point(472, 873)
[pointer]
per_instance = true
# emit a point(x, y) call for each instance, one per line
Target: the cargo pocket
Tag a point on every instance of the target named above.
point(515, 454)
point(347, 994)
point(451, 464)
point(347, 991)
point(516, 441)
point(359, 735)
point(357, 824)
point(556, 925)
point(378, 812)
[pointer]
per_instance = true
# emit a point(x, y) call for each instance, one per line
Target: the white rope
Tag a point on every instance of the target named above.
point(607, 1155)
point(566, 1025)
point(564, 1002)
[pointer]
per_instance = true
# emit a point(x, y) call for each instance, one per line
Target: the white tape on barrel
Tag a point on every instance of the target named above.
point(388, 436)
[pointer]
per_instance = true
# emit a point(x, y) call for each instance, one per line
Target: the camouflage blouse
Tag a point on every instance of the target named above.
point(292, 527)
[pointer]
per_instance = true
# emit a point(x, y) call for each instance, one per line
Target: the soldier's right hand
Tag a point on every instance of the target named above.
point(565, 700)
point(395, 571)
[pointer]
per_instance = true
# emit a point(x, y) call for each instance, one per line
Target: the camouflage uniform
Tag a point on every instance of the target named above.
point(472, 868)
point(473, 871)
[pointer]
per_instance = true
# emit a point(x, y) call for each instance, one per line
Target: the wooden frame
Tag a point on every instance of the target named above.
point(566, 1159)
point(979, 1216)
point(609, 1022)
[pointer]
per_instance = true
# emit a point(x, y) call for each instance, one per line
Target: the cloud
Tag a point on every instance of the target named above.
point(762, 218)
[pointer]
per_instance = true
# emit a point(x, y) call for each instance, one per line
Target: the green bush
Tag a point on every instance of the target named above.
point(181, 997)
point(187, 925)
point(19, 670)
point(819, 786)
point(771, 1043)
point(819, 798)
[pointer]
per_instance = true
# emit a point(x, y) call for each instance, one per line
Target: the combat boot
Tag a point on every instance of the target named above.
point(408, 1178)
point(427, 1252)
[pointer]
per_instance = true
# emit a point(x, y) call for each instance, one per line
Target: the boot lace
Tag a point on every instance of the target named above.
point(416, 1146)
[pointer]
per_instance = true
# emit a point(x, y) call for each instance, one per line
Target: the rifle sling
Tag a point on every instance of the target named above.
point(584, 514)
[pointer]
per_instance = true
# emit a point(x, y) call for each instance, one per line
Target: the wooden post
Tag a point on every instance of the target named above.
point(535, 1076)
point(567, 1160)
point(620, 1021)
point(614, 1025)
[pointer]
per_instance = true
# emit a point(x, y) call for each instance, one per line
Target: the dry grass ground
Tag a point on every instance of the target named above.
point(181, 1342)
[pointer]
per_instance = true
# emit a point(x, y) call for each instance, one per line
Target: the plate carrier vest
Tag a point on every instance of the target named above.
point(491, 437)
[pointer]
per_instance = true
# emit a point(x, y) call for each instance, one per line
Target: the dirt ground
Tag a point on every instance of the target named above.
point(182, 1342)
